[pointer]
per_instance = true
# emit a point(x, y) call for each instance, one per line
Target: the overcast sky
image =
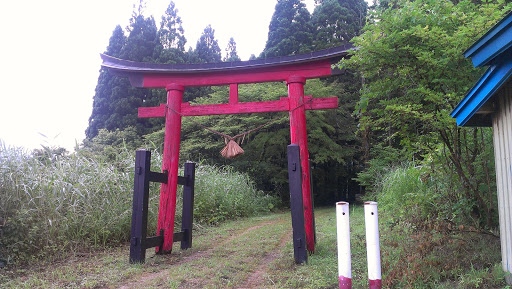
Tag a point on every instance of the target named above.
point(50, 56)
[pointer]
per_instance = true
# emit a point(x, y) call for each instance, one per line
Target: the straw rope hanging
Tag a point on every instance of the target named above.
point(232, 147)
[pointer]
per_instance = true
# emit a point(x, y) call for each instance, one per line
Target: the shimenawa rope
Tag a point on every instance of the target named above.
point(232, 148)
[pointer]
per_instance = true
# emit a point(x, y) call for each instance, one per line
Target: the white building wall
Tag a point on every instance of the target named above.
point(502, 131)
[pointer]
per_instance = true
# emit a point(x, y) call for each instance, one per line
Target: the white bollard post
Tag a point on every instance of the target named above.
point(371, 220)
point(343, 236)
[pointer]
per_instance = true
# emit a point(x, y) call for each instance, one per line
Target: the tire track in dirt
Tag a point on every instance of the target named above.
point(256, 278)
point(146, 278)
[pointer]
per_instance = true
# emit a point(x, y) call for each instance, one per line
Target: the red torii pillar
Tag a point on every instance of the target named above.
point(299, 136)
point(171, 155)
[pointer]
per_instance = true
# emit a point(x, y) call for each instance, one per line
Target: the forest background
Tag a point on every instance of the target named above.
point(292, 30)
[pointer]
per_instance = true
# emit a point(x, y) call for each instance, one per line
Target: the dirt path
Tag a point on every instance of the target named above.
point(256, 278)
point(245, 265)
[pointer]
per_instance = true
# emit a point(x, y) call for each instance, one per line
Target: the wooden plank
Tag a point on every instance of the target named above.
point(502, 129)
point(506, 174)
point(178, 236)
point(317, 69)
point(158, 177)
point(497, 127)
point(158, 111)
point(235, 108)
point(321, 103)
point(155, 241)
point(243, 107)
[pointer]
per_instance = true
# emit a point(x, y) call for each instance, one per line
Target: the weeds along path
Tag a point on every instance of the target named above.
point(237, 257)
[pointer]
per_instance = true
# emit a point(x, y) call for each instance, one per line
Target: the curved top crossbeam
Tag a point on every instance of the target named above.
point(309, 65)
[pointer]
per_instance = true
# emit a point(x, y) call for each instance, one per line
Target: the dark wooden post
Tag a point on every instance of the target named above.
point(296, 205)
point(139, 241)
point(312, 199)
point(140, 206)
point(167, 210)
point(188, 205)
point(298, 134)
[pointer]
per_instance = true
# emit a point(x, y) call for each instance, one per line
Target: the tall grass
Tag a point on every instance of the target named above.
point(223, 193)
point(419, 194)
point(52, 206)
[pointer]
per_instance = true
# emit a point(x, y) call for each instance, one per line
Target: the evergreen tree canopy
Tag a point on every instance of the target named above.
point(143, 41)
point(115, 101)
point(231, 54)
point(207, 48)
point(137, 11)
point(172, 38)
point(105, 86)
point(337, 21)
point(116, 42)
point(171, 32)
point(290, 30)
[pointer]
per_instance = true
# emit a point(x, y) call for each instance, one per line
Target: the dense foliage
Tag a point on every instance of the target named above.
point(410, 57)
point(336, 22)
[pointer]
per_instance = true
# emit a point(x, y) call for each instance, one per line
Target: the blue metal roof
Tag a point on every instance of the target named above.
point(493, 43)
point(487, 85)
point(495, 50)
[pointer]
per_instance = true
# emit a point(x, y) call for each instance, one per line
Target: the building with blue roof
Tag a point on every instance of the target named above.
point(489, 103)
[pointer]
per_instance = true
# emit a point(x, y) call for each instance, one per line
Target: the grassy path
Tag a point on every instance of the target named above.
point(248, 253)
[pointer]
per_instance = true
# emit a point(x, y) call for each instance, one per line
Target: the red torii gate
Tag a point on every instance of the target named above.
point(295, 70)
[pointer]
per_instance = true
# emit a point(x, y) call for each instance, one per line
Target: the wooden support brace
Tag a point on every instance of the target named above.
point(233, 93)
point(244, 107)
point(139, 241)
point(188, 205)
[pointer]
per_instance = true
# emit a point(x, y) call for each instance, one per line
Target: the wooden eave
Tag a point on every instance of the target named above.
point(310, 65)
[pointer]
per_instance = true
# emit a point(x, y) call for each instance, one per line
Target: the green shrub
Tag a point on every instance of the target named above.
point(403, 192)
point(418, 194)
point(77, 202)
